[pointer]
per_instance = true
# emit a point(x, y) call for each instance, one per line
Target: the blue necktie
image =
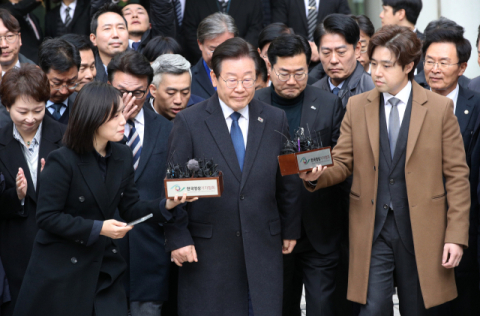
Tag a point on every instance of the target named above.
point(133, 141)
point(237, 139)
point(135, 45)
point(335, 90)
point(56, 110)
point(178, 11)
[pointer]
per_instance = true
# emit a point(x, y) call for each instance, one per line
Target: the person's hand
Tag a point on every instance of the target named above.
point(170, 204)
point(21, 184)
point(130, 107)
point(452, 254)
point(312, 175)
point(115, 229)
point(288, 245)
point(185, 254)
point(42, 164)
point(315, 55)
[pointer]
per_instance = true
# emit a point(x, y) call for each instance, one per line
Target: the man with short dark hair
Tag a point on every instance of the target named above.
point(410, 196)
point(109, 33)
point(87, 71)
point(60, 60)
point(475, 83)
point(319, 113)
point(237, 237)
point(146, 283)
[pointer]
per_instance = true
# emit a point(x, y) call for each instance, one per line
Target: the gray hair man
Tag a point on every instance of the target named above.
point(212, 31)
point(171, 86)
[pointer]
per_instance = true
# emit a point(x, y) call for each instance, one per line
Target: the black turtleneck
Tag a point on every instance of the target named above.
point(292, 108)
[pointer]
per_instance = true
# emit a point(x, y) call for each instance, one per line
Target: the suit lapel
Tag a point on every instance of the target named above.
point(151, 130)
point(309, 110)
point(419, 97)
point(255, 133)
point(463, 110)
point(219, 130)
point(403, 134)
point(372, 117)
point(93, 177)
point(203, 78)
point(301, 6)
point(384, 139)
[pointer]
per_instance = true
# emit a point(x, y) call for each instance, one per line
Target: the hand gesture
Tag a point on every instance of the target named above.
point(170, 204)
point(452, 254)
point(185, 254)
point(130, 107)
point(312, 175)
point(21, 184)
point(288, 245)
point(115, 229)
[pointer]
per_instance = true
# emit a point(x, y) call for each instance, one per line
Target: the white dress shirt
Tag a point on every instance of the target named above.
point(139, 121)
point(454, 97)
point(130, 42)
point(63, 13)
point(242, 121)
point(51, 109)
point(403, 96)
point(307, 4)
point(30, 152)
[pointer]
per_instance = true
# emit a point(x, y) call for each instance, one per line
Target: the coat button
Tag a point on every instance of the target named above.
point(238, 234)
point(81, 242)
point(81, 199)
point(392, 181)
point(114, 250)
point(74, 260)
point(385, 206)
point(242, 197)
point(121, 194)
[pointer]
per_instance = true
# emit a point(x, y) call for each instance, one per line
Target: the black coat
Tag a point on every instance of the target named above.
point(66, 115)
point(65, 276)
point(247, 14)
point(144, 247)
point(322, 112)
point(201, 83)
point(17, 224)
point(294, 14)
point(238, 236)
point(30, 43)
point(467, 112)
point(80, 23)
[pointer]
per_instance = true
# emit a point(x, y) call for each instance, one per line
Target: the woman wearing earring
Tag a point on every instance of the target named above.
point(25, 141)
point(75, 267)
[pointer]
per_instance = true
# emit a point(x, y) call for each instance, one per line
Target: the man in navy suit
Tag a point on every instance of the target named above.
point(230, 248)
point(446, 54)
point(143, 249)
point(171, 86)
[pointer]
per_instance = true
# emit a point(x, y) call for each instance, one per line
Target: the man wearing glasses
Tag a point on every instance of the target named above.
point(146, 133)
point(320, 113)
point(60, 60)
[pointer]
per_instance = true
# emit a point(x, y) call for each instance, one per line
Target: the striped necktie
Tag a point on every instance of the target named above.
point(178, 11)
point(312, 18)
point(68, 18)
point(133, 141)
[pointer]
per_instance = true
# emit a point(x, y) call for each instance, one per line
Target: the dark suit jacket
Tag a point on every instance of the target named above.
point(73, 195)
point(144, 247)
point(17, 224)
point(238, 235)
point(246, 13)
point(201, 84)
point(293, 13)
point(474, 84)
point(30, 43)
point(322, 112)
point(64, 118)
point(421, 37)
point(102, 75)
point(467, 112)
point(194, 99)
point(80, 23)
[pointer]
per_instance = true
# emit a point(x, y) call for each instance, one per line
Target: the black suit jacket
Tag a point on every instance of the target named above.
point(322, 112)
point(247, 14)
point(102, 75)
point(80, 23)
point(64, 118)
point(73, 195)
point(238, 235)
point(201, 84)
point(144, 247)
point(30, 43)
point(293, 13)
point(18, 226)
point(467, 111)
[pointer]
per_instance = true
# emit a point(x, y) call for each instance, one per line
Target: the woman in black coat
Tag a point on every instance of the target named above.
point(25, 140)
point(75, 268)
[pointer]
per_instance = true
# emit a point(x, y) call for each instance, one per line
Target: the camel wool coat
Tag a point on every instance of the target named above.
point(439, 213)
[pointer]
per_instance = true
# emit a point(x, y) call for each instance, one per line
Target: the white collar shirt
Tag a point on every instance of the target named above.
point(52, 109)
point(63, 8)
point(242, 121)
point(403, 96)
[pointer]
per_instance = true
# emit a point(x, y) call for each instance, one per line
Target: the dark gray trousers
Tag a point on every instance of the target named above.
point(391, 260)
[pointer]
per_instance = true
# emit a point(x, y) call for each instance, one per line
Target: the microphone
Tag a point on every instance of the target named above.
point(193, 166)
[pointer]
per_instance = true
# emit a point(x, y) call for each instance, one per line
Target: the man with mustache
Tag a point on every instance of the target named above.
point(109, 33)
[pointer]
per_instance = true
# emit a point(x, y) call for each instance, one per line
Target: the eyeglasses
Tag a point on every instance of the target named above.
point(286, 77)
point(59, 87)
point(233, 83)
point(429, 64)
point(138, 94)
point(9, 38)
point(364, 46)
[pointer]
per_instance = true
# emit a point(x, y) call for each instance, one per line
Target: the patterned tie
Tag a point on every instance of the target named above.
point(335, 90)
point(133, 141)
point(56, 110)
point(68, 18)
point(393, 124)
point(223, 5)
point(178, 11)
point(312, 18)
point(135, 45)
point(237, 139)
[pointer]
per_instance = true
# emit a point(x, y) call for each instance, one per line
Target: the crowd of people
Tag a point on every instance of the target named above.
point(95, 107)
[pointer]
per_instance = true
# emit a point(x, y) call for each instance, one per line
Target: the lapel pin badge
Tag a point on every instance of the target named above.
point(260, 119)
point(314, 108)
point(466, 112)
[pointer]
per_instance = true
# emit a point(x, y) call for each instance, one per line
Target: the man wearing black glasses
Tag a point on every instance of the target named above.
point(146, 133)
point(320, 114)
point(60, 60)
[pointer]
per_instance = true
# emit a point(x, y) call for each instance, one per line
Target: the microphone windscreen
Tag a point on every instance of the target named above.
point(192, 165)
